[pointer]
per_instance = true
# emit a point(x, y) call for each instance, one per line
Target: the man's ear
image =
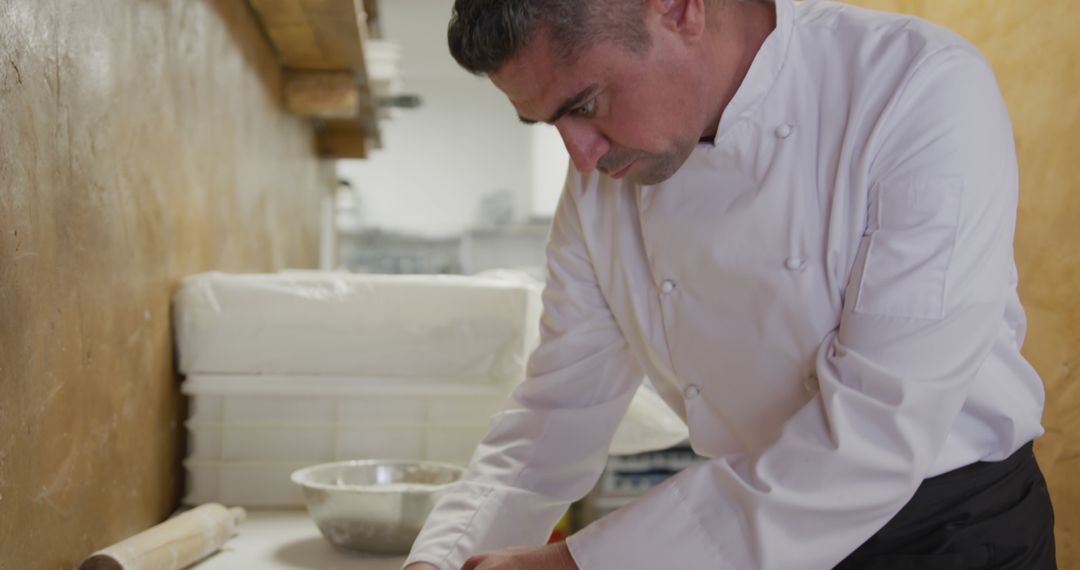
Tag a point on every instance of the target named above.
point(685, 17)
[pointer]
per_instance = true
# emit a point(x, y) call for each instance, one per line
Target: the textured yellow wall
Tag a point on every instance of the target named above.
point(1035, 50)
point(139, 141)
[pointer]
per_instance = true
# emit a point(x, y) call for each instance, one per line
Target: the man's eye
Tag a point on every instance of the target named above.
point(587, 110)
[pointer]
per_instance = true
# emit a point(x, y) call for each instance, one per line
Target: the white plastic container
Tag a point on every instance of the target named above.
point(246, 434)
point(439, 328)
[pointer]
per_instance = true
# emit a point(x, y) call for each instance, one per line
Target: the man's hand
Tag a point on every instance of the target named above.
point(551, 557)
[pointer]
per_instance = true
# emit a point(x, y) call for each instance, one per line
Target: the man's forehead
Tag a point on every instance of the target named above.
point(529, 75)
point(524, 84)
point(537, 81)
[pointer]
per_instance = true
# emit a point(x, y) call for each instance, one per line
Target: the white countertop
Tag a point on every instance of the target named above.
point(288, 540)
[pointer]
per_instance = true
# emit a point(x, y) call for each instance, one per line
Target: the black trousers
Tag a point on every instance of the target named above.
point(986, 515)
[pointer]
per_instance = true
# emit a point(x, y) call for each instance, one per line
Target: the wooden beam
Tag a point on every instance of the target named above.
point(314, 34)
point(341, 140)
point(320, 44)
point(322, 94)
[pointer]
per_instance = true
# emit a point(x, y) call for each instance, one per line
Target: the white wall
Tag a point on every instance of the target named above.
point(439, 159)
point(464, 142)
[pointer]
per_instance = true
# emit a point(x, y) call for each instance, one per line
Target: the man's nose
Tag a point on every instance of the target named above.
point(585, 144)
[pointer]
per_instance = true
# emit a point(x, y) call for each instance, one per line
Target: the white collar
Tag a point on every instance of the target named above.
point(763, 71)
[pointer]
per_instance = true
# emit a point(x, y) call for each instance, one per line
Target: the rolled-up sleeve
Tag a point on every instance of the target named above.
point(922, 308)
point(548, 448)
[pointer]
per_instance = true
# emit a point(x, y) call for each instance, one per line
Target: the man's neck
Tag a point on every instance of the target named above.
point(738, 30)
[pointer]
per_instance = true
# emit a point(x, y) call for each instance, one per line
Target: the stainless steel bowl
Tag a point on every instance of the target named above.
point(374, 505)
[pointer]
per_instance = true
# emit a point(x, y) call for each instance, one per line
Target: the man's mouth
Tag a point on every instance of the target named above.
point(622, 171)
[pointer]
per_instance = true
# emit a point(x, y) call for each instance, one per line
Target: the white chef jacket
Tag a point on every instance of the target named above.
point(826, 294)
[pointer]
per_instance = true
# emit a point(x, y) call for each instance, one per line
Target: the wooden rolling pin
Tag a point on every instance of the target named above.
point(174, 544)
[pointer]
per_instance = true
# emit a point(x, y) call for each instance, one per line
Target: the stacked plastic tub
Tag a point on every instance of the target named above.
point(290, 369)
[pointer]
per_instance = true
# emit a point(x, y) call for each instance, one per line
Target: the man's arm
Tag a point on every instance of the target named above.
point(549, 557)
point(923, 308)
point(548, 448)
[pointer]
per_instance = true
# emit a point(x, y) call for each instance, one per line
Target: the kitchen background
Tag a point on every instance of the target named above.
point(461, 185)
point(144, 141)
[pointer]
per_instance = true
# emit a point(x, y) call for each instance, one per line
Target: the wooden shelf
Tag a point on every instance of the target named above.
point(320, 46)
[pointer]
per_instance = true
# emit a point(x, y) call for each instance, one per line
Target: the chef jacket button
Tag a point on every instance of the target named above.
point(794, 262)
point(784, 131)
point(667, 286)
point(692, 391)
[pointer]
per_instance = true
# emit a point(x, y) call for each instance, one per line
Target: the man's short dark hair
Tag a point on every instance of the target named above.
point(485, 34)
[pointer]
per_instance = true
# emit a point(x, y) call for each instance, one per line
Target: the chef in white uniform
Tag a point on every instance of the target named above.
point(797, 219)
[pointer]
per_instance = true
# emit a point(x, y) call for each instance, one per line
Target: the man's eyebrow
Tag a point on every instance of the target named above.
point(567, 105)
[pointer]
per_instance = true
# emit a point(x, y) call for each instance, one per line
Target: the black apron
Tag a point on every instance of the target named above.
point(986, 515)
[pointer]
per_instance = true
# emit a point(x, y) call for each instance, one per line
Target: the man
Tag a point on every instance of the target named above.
point(797, 219)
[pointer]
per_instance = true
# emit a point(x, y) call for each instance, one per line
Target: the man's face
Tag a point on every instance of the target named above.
point(627, 114)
